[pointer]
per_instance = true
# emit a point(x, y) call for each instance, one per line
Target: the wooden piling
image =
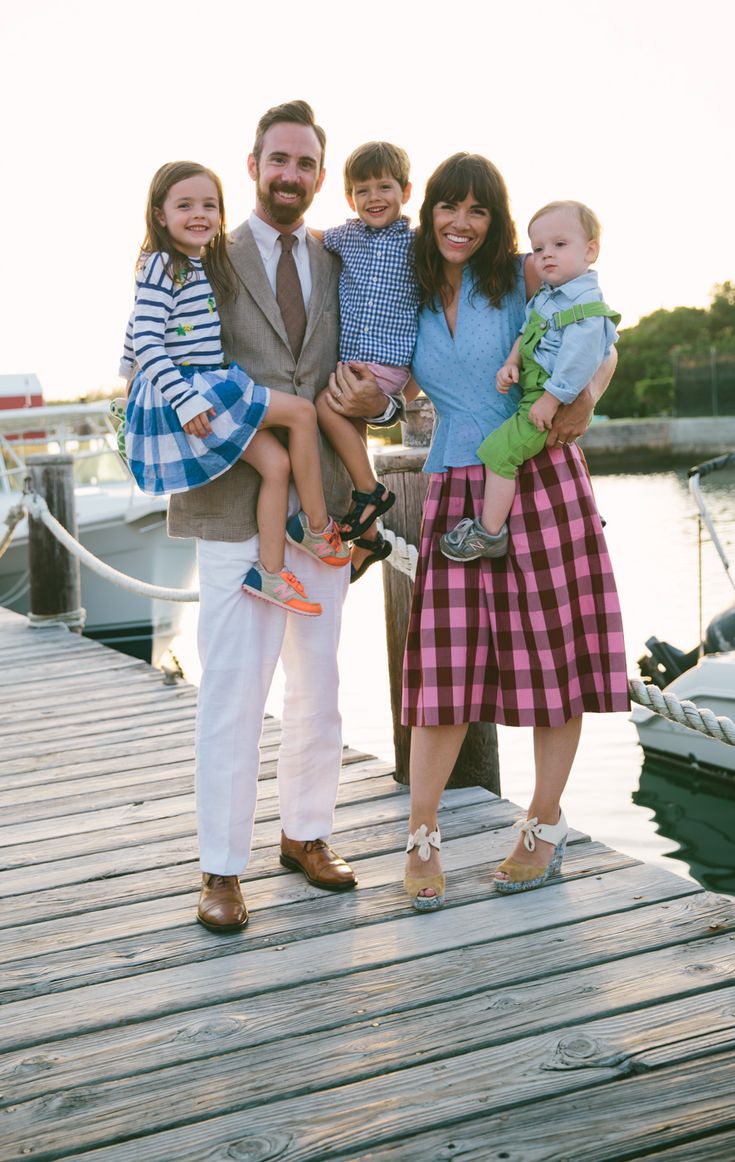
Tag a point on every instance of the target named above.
point(54, 572)
point(399, 467)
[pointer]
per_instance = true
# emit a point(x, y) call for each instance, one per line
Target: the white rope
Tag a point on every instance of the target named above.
point(38, 508)
point(685, 713)
point(404, 556)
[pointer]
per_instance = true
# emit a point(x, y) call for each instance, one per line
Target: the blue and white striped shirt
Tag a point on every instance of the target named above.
point(378, 296)
point(173, 323)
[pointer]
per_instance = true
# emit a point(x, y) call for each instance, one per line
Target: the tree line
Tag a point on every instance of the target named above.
point(661, 344)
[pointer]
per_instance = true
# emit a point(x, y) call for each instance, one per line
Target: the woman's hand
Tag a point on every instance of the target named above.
point(199, 425)
point(353, 391)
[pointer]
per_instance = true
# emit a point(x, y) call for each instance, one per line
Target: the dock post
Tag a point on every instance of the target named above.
point(399, 468)
point(54, 572)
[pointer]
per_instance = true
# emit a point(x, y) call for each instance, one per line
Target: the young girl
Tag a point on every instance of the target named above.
point(188, 417)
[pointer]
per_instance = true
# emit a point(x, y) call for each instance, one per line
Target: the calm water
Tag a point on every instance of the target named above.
point(651, 813)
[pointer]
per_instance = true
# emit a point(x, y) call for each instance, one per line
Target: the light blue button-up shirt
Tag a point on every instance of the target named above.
point(458, 372)
point(571, 355)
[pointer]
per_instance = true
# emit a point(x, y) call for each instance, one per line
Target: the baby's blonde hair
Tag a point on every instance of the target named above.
point(589, 221)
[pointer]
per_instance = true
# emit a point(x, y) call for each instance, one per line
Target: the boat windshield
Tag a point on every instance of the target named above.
point(84, 431)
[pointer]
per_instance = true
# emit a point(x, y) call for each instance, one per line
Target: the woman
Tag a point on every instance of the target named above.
point(531, 639)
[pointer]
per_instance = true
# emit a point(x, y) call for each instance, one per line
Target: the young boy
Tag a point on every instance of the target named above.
point(378, 302)
point(551, 359)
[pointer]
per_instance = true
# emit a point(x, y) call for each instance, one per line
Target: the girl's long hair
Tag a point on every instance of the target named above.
point(493, 266)
point(215, 258)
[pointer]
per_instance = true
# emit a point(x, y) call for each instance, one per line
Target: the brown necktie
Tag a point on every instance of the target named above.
point(289, 295)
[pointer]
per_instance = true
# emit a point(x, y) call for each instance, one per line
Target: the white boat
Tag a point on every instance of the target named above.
point(705, 675)
point(710, 685)
point(116, 522)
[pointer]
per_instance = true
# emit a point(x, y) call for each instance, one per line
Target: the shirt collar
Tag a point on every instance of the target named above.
point(398, 227)
point(266, 236)
point(582, 284)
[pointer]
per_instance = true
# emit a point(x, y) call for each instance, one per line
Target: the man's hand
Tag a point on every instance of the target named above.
point(506, 377)
point(199, 425)
point(353, 391)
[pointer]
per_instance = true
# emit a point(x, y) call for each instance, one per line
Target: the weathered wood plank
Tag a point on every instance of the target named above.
point(132, 826)
point(364, 1109)
point(158, 992)
point(623, 1122)
point(514, 984)
point(57, 955)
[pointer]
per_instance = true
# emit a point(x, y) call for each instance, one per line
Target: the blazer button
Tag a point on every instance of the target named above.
point(297, 382)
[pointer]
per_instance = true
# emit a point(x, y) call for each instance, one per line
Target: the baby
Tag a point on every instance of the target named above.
point(567, 333)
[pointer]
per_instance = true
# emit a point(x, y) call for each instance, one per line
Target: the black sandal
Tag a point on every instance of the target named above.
point(380, 550)
point(351, 527)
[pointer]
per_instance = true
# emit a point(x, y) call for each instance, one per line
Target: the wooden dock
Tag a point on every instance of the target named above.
point(589, 1022)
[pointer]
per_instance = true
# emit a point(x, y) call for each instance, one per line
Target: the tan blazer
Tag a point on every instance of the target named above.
point(254, 336)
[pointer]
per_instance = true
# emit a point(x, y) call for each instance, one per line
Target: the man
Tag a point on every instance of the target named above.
point(240, 638)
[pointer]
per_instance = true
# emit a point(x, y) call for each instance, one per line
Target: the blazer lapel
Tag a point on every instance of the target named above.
point(250, 271)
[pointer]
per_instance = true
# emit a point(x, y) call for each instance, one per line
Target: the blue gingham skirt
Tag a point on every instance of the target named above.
point(163, 458)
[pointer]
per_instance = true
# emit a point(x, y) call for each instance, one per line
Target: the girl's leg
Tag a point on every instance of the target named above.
point(298, 416)
point(434, 751)
point(271, 461)
point(554, 749)
point(498, 501)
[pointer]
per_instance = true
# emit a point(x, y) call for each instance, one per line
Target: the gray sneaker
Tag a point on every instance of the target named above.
point(469, 540)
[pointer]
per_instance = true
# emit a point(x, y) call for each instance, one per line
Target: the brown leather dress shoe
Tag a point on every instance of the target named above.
point(321, 866)
point(221, 906)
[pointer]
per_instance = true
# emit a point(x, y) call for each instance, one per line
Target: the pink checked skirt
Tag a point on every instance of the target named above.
point(532, 639)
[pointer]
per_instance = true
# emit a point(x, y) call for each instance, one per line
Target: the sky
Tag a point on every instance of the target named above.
point(625, 106)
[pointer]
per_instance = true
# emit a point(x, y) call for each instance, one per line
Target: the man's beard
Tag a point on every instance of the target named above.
point(279, 212)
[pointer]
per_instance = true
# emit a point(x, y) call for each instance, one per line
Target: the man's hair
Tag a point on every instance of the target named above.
point(296, 112)
point(589, 221)
point(373, 160)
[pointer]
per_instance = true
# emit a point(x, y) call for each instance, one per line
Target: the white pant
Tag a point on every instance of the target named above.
point(240, 639)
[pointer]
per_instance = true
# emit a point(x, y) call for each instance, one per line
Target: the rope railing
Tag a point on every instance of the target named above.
point(36, 507)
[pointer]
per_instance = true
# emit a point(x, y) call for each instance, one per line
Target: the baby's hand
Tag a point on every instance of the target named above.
point(542, 412)
point(199, 425)
point(506, 377)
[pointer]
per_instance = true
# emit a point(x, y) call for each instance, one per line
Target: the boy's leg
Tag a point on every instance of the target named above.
point(239, 645)
point(498, 500)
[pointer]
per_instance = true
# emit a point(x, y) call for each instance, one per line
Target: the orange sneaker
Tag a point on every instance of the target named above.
point(282, 589)
point(328, 547)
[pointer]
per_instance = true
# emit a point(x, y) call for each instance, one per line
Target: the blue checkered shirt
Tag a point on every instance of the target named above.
point(378, 296)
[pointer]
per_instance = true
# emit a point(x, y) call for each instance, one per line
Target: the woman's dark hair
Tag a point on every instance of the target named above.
point(215, 258)
point(493, 266)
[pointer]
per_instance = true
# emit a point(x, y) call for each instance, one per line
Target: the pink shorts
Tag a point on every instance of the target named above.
point(390, 380)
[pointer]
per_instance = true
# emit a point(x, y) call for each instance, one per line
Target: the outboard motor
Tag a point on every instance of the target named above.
point(665, 662)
